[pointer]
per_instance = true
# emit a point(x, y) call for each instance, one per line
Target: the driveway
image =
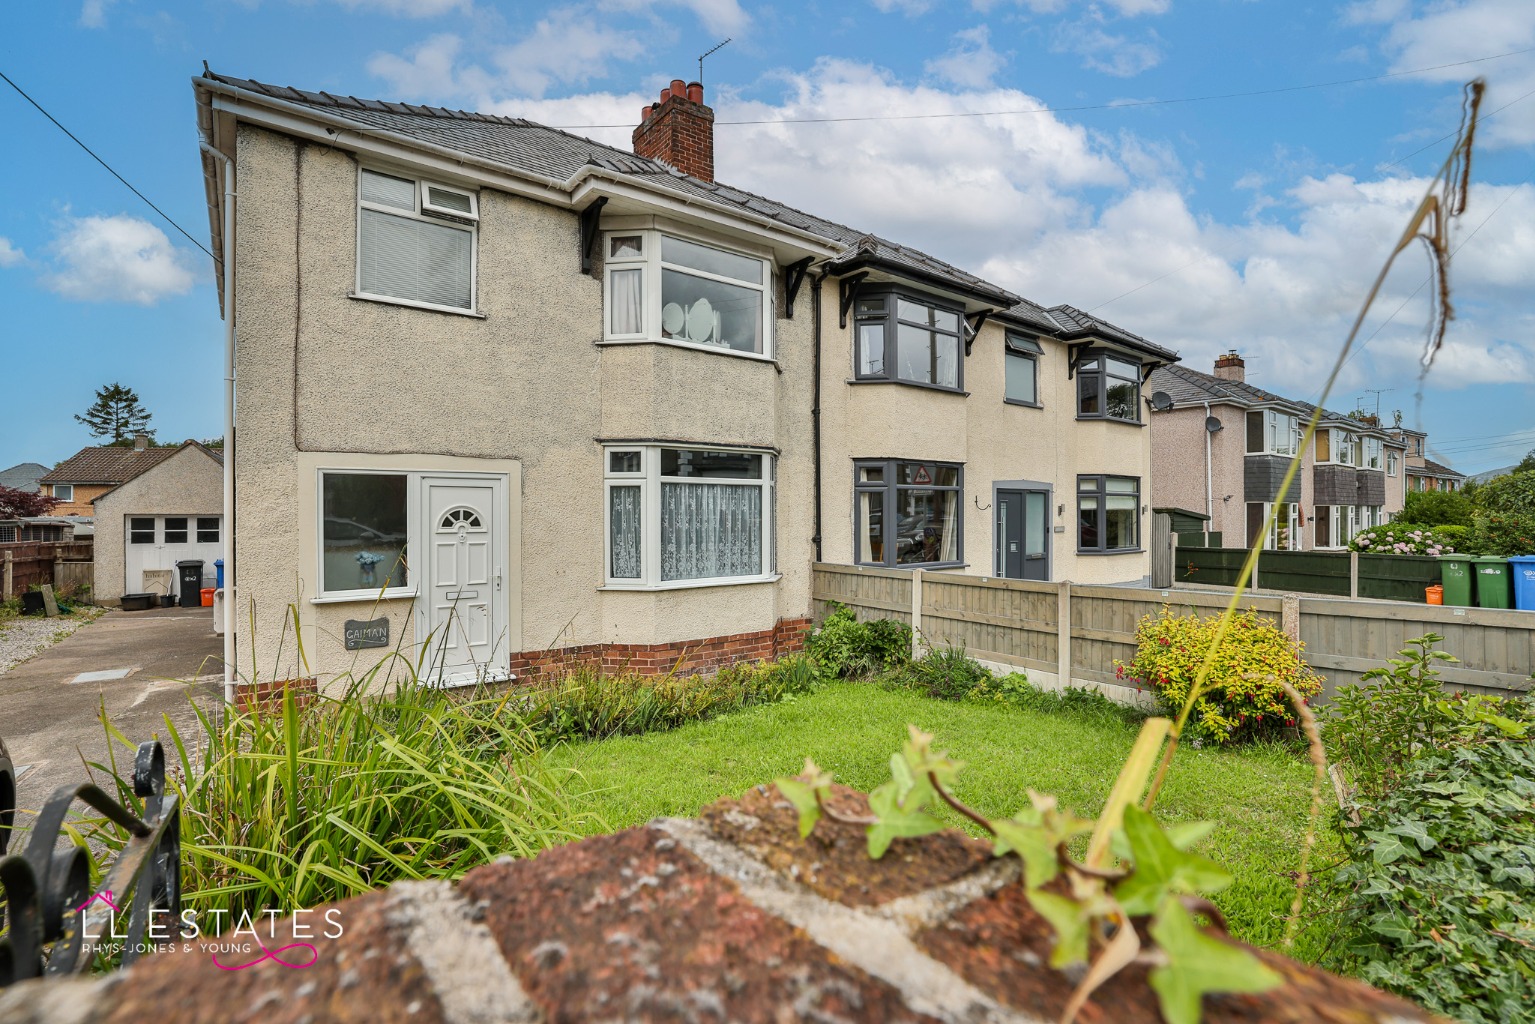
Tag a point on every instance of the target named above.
point(143, 665)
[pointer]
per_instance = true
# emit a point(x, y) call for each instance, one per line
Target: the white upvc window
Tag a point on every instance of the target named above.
point(1391, 462)
point(1272, 432)
point(1374, 453)
point(416, 242)
point(365, 522)
point(64, 492)
point(686, 517)
point(1346, 448)
point(659, 286)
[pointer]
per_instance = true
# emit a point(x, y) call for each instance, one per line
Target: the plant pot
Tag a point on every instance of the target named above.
point(139, 602)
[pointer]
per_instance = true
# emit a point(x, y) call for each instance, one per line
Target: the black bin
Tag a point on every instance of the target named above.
point(191, 575)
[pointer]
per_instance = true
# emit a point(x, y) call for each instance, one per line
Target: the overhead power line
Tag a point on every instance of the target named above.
point(1078, 109)
point(165, 216)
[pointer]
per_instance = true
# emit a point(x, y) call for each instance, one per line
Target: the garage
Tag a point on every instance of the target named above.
point(156, 544)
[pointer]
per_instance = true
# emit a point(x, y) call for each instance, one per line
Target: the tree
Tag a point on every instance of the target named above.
point(1436, 508)
point(18, 504)
point(116, 415)
point(1527, 464)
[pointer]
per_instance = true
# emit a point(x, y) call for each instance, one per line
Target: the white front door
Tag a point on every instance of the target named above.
point(462, 605)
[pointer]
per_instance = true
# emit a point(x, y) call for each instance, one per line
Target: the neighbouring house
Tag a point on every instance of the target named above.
point(515, 395)
point(171, 512)
point(1222, 447)
point(1423, 473)
point(23, 476)
point(36, 528)
point(92, 472)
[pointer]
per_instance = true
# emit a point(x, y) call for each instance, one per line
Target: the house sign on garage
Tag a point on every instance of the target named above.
point(362, 634)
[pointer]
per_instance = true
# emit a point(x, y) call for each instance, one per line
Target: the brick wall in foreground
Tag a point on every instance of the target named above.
point(729, 917)
point(683, 656)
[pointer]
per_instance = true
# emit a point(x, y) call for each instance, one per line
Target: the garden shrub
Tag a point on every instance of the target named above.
point(1241, 698)
point(1440, 887)
point(1436, 508)
point(1401, 539)
point(1504, 533)
point(1073, 701)
point(1510, 494)
point(946, 674)
point(845, 648)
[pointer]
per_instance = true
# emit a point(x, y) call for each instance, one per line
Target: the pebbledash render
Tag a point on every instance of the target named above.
point(529, 398)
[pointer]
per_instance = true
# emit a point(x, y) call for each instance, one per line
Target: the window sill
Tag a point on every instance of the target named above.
point(371, 596)
point(1116, 551)
point(1110, 419)
point(924, 566)
point(651, 588)
point(492, 679)
point(909, 384)
point(411, 304)
point(718, 350)
point(1022, 405)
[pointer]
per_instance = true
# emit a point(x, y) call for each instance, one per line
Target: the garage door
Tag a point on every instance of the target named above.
point(159, 542)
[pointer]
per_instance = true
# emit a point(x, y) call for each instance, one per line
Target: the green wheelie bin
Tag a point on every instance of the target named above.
point(1455, 574)
point(1493, 582)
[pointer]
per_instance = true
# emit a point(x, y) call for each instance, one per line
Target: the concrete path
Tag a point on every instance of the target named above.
point(144, 665)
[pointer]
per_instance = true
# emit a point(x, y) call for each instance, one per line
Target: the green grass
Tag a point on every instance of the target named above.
point(1259, 795)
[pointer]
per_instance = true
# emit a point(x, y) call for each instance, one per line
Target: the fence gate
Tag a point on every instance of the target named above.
point(1161, 550)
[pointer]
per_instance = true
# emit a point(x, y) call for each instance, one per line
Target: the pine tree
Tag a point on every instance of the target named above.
point(116, 415)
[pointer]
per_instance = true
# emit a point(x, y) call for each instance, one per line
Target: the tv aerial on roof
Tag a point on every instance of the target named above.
point(701, 61)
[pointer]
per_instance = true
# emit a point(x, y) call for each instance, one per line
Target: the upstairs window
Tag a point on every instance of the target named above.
point(1374, 453)
point(416, 242)
point(1108, 388)
point(1391, 462)
point(1021, 371)
point(64, 492)
point(1272, 432)
point(662, 287)
point(1345, 449)
point(908, 338)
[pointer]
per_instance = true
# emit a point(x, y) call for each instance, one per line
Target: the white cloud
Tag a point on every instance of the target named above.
point(1124, 8)
point(117, 259)
point(910, 8)
point(10, 256)
point(408, 8)
point(970, 63)
point(723, 17)
point(1101, 50)
point(93, 13)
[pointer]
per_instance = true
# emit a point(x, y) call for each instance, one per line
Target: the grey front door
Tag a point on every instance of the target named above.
point(1023, 535)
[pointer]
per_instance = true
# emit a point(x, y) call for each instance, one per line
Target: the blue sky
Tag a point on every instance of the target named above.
point(1252, 222)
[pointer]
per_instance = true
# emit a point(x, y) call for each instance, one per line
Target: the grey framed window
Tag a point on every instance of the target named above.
point(207, 529)
point(902, 336)
point(1108, 387)
point(1021, 370)
point(907, 513)
point(176, 529)
point(1108, 513)
point(141, 530)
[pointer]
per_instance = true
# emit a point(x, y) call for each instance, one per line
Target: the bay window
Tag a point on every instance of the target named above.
point(900, 336)
point(1108, 387)
point(1108, 514)
point(1021, 370)
point(415, 242)
point(663, 287)
point(687, 516)
point(907, 513)
point(1345, 449)
point(1272, 432)
point(364, 529)
point(1283, 534)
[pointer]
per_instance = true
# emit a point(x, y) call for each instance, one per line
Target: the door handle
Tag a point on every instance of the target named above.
point(498, 577)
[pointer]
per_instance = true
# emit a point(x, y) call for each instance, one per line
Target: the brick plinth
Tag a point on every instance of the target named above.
point(729, 917)
point(681, 656)
point(267, 696)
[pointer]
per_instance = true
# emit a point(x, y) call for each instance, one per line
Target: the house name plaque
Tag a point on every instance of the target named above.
point(361, 634)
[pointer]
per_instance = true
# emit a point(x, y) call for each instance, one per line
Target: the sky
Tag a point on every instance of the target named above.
point(1214, 175)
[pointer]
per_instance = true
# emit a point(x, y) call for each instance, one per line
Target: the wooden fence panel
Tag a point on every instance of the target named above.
point(871, 593)
point(1009, 621)
point(1309, 572)
point(30, 563)
point(1216, 567)
point(1396, 577)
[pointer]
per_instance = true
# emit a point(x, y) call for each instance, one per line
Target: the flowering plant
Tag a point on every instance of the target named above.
point(1242, 696)
point(368, 559)
point(1401, 539)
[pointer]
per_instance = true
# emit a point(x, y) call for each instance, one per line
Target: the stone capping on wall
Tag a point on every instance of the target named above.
point(727, 917)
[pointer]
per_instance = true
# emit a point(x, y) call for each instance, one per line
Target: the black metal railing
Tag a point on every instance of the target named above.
point(57, 922)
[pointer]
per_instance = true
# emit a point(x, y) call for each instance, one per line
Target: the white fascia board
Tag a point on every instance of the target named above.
point(591, 182)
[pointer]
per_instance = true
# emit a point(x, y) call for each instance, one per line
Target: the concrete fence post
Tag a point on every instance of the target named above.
point(6, 588)
point(1289, 616)
point(916, 613)
point(1353, 575)
point(1063, 634)
point(58, 570)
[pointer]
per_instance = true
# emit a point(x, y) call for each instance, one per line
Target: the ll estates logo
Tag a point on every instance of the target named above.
point(251, 939)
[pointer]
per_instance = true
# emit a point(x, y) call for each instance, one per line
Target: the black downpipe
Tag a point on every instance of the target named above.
point(815, 408)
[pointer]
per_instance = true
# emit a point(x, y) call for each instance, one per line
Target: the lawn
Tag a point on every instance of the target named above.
point(1259, 795)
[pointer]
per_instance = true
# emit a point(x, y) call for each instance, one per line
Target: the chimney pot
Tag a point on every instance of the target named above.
point(679, 88)
point(665, 95)
point(645, 114)
point(696, 92)
point(680, 134)
point(1231, 367)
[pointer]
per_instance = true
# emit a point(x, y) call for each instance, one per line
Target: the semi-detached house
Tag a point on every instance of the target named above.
point(524, 395)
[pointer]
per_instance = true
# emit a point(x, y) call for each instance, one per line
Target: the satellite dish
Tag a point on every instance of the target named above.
point(1161, 401)
point(1213, 424)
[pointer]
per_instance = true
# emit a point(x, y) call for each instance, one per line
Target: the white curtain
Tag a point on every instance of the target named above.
point(627, 302)
point(710, 530)
point(950, 524)
point(624, 532)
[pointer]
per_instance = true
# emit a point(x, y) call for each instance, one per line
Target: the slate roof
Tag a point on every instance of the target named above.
point(106, 465)
point(1186, 386)
point(1436, 469)
point(550, 153)
point(23, 476)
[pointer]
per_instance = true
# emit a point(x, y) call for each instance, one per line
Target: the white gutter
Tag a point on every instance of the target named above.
point(227, 259)
point(1209, 475)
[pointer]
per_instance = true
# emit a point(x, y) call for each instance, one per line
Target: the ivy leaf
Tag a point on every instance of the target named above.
point(922, 759)
point(1034, 833)
point(896, 821)
point(1072, 921)
point(1183, 835)
point(1161, 868)
point(1389, 848)
point(1416, 831)
point(803, 794)
point(1197, 963)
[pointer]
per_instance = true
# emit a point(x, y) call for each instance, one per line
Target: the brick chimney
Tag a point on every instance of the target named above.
point(141, 442)
point(1231, 367)
point(679, 130)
